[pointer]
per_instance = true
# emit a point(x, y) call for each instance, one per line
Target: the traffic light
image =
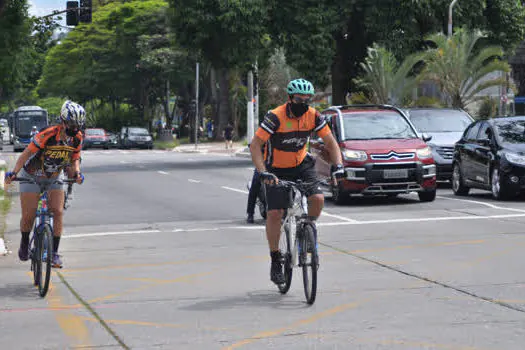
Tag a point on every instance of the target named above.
point(85, 11)
point(72, 13)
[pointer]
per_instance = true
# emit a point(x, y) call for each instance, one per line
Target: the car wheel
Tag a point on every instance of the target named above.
point(458, 186)
point(427, 196)
point(498, 191)
point(339, 196)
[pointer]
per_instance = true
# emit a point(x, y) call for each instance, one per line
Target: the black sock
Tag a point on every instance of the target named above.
point(56, 243)
point(276, 256)
point(25, 237)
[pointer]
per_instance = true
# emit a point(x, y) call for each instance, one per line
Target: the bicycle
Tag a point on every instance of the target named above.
point(298, 228)
point(41, 241)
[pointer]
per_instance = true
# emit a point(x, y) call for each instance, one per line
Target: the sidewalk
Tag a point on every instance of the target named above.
point(239, 149)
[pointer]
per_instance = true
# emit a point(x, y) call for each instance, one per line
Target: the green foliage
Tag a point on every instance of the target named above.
point(359, 98)
point(459, 70)
point(425, 101)
point(226, 33)
point(488, 108)
point(14, 43)
point(387, 81)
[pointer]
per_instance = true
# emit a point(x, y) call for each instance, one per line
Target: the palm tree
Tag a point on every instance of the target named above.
point(386, 80)
point(459, 69)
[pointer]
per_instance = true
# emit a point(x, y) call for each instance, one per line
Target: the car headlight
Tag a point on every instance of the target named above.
point(352, 155)
point(424, 152)
point(148, 138)
point(515, 158)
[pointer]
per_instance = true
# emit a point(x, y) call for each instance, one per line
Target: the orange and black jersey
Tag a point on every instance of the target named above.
point(287, 137)
point(50, 154)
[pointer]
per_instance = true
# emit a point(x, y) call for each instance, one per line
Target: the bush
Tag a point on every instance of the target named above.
point(488, 108)
point(425, 101)
point(359, 98)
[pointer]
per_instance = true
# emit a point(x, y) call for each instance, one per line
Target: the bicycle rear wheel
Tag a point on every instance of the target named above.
point(309, 260)
point(286, 260)
point(44, 256)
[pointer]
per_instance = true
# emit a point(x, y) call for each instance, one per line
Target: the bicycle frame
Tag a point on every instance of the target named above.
point(43, 214)
point(295, 216)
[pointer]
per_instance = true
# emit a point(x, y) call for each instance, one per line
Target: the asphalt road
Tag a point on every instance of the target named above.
point(157, 256)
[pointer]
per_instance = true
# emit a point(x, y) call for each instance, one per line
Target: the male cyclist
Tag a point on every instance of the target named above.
point(287, 129)
point(44, 159)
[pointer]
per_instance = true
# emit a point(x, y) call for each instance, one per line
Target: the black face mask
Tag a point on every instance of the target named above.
point(298, 109)
point(71, 132)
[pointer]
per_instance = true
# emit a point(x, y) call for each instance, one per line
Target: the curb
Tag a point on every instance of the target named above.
point(3, 249)
point(3, 167)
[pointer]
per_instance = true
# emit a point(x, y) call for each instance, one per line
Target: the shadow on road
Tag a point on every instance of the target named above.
point(259, 298)
point(19, 291)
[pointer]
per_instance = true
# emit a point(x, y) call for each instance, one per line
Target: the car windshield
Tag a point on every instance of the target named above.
point(510, 131)
point(138, 132)
point(439, 120)
point(376, 125)
point(95, 132)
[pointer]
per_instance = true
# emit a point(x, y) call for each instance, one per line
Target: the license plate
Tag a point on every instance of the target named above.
point(395, 173)
point(96, 143)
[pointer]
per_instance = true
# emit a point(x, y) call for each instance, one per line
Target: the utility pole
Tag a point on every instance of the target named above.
point(450, 17)
point(249, 123)
point(196, 104)
point(256, 112)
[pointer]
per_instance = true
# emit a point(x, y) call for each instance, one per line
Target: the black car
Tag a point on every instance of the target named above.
point(491, 156)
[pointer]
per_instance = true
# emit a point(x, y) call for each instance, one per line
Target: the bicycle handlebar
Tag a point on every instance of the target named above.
point(33, 181)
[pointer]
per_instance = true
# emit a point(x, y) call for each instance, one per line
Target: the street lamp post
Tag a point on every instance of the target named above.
point(196, 104)
point(450, 17)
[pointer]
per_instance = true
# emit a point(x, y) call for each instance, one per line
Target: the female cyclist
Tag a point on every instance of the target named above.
point(50, 151)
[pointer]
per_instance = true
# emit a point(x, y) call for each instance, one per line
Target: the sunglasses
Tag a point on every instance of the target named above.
point(298, 99)
point(71, 124)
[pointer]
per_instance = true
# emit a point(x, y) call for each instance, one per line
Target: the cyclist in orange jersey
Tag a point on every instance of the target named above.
point(286, 131)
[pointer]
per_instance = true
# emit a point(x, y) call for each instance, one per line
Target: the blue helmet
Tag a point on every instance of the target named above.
point(73, 112)
point(300, 86)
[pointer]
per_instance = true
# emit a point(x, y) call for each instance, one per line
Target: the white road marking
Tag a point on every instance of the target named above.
point(234, 189)
point(482, 203)
point(194, 181)
point(320, 224)
point(324, 213)
point(162, 172)
point(124, 162)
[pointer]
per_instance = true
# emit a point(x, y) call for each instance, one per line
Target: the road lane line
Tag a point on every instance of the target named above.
point(93, 313)
point(194, 181)
point(320, 224)
point(492, 206)
point(234, 189)
point(72, 325)
point(325, 213)
point(296, 324)
point(162, 172)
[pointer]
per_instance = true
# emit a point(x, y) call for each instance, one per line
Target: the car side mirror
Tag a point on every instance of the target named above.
point(485, 142)
point(426, 137)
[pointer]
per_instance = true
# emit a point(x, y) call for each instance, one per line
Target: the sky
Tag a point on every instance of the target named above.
point(46, 7)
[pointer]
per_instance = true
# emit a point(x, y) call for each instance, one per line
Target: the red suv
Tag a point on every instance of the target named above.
point(381, 152)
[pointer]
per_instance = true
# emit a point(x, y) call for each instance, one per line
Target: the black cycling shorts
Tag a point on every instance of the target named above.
point(279, 197)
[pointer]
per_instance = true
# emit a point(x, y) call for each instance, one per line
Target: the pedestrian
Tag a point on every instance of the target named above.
point(228, 135)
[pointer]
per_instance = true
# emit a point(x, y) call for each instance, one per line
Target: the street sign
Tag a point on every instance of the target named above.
point(519, 99)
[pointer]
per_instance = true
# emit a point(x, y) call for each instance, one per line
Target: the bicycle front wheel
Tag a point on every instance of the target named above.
point(44, 256)
point(309, 261)
point(286, 259)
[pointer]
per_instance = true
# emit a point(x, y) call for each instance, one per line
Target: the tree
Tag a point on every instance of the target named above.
point(460, 68)
point(227, 34)
point(123, 57)
point(387, 81)
point(334, 36)
point(14, 42)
